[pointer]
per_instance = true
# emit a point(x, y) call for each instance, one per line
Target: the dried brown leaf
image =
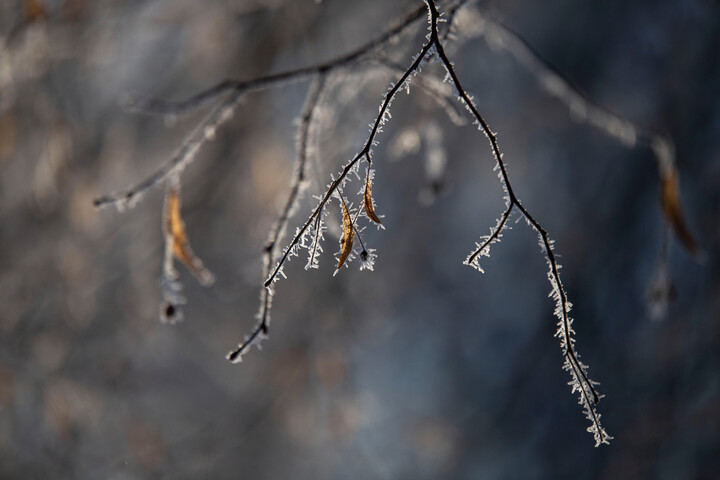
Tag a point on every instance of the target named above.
point(174, 229)
point(368, 201)
point(670, 201)
point(348, 235)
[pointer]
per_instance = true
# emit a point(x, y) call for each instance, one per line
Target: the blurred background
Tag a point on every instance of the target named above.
point(424, 368)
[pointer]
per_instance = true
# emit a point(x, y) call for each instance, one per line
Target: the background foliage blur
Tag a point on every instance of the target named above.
point(423, 368)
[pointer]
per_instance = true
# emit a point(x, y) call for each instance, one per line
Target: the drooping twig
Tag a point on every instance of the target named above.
point(578, 371)
point(226, 96)
point(271, 249)
point(580, 381)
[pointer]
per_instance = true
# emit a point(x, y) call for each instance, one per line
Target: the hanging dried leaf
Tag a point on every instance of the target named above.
point(346, 243)
point(670, 200)
point(368, 201)
point(174, 229)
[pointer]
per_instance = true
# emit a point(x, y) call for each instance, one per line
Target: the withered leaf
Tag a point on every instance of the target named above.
point(670, 201)
point(174, 229)
point(368, 201)
point(348, 235)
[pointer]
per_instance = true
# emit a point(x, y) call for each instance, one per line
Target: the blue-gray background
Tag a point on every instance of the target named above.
point(422, 369)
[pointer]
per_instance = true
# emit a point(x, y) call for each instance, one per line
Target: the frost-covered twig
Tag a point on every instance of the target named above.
point(314, 223)
point(271, 249)
point(483, 247)
point(436, 89)
point(226, 95)
point(365, 152)
point(580, 381)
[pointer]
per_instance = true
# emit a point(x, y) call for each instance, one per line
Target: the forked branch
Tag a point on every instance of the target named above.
point(580, 381)
point(226, 96)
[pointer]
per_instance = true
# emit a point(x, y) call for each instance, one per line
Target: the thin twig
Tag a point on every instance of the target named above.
point(495, 233)
point(435, 89)
point(588, 395)
point(274, 259)
point(349, 166)
point(271, 249)
point(205, 131)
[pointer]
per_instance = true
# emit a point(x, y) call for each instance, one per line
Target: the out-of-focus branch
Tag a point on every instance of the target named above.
point(584, 109)
point(233, 91)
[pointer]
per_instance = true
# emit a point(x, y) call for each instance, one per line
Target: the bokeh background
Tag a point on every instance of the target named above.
point(423, 368)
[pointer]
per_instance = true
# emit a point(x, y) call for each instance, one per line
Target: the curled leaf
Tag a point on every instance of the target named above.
point(174, 229)
point(670, 201)
point(346, 243)
point(368, 201)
